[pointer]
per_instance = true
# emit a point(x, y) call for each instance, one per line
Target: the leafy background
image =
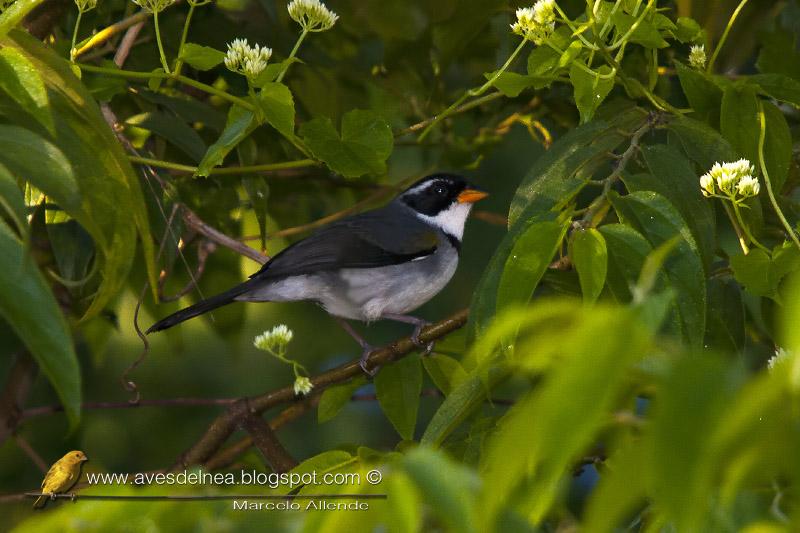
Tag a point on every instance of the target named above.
point(613, 374)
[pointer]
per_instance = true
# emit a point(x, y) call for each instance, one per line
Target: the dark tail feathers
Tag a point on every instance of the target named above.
point(203, 306)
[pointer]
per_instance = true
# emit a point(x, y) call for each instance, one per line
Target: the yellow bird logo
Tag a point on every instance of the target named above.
point(61, 477)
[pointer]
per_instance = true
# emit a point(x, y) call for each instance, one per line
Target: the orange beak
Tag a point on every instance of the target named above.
point(470, 196)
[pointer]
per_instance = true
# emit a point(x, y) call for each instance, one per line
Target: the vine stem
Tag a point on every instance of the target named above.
point(132, 74)
point(472, 92)
point(761, 137)
point(300, 163)
point(72, 51)
point(746, 228)
point(184, 35)
point(160, 46)
point(724, 37)
point(292, 54)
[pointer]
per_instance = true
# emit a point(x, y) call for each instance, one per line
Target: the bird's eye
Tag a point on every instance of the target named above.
point(440, 190)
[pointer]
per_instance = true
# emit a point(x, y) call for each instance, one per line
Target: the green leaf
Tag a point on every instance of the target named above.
point(448, 487)
point(570, 54)
point(725, 322)
point(20, 80)
point(334, 399)
point(778, 86)
point(275, 100)
point(330, 461)
point(398, 386)
point(14, 14)
point(589, 255)
point(363, 147)
point(687, 30)
point(659, 221)
point(779, 54)
point(549, 428)
point(272, 71)
point(645, 33)
point(702, 143)
point(241, 123)
point(542, 61)
point(627, 252)
point(777, 147)
point(175, 131)
point(112, 207)
point(701, 92)
point(590, 89)
point(446, 372)
point(511, 83)
point(739, 120)
point(12, 203)
point(761, 274)
point(562, 171)
point(29, 307)
point(201, 57)
point(672, 176)
point(32, 158)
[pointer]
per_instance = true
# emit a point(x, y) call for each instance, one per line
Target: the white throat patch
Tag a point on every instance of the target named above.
point(451, 220)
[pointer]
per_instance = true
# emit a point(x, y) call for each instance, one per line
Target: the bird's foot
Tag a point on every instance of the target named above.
point(363, 362)
point(428, 347)
point(73, 497)
point(52, 496)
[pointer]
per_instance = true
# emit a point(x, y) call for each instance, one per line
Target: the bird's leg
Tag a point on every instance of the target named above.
point(73, 497)
point(366, 348)
point(419, 324)
point(53, 496)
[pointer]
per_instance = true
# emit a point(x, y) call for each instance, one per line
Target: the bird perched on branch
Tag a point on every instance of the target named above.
point(61, 477)
point(381, 264)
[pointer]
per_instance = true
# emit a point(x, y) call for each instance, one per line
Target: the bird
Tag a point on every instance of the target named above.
point(379, 264)
point(61, 477)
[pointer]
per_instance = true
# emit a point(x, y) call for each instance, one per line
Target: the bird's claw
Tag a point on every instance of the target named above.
point(418, 342)
point(52, 496)
point(370, 372)
point(73, 497)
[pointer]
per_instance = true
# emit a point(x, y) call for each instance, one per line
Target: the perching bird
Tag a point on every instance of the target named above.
point(381, 264)
point(61, 477)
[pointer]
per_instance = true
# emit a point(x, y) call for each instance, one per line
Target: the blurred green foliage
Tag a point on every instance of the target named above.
point(632, 354)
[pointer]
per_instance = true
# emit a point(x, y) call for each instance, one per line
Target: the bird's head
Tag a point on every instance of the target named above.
point(76, 456)
point(443, 200)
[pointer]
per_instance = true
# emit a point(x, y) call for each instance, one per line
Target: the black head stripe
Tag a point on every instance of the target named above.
point(433, 194)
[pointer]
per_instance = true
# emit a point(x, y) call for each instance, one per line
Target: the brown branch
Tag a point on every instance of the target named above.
point(275, 455)
point(225, 424)
point(45, 410)
point(25, 446)
point(15, 391)
point(197, 224)
point(204, 250)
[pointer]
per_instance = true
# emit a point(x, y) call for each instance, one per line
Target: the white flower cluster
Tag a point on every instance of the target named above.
point(312, 15)
point(730, 180)
point(697, 57)
point(302, 386)
point(246, 59)
point(154, 6)
point(277, 338)
point(536, 23)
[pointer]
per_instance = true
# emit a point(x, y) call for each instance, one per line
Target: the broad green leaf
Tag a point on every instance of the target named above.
point(446, 372)
point(448, 487)
point(23, 84)
point(398, 386)
point(778, 86)
point(511, 83)
point(687, 30)
point(702, 143)
point(112, 207)
point(559, 174)
point(590, 257)
point(703, 95)
point(35, 159)
point(175, 131)
point(570, 54)
point(725, 322)
point(627, 251)
point(590, 89)
point(14, 14)
point(29, 307)
point(790, 333)
point(761, 274)
point(405, 504)
point(645, 33)
point(334, 399)
point(189, 110)
point(545, 419)
point(659, 221)
point(779, 54)
point(542, 61)
point(330, 461)
point(364, 146)
point(272, 71)
point(275, 100)
point(241, 123)
point(739, 120)
point(671, 176)
point(12, 203)
point(527, 261)
point(777, 147)
point(201, 57)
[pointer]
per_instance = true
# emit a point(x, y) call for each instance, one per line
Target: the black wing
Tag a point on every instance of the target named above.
point(383, 237)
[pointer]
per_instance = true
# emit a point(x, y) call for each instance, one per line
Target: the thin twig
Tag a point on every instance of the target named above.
point(196, 223)
point(45, 410)
point(25, 446)
point(107, 33)
point(204, 249)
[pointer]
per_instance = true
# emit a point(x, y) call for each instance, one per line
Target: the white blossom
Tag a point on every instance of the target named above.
point(748, 186)
point(302, 386)
point(312, 15)
point(536, 23)
point(246, 59)
point(731, 179)
point(154, 6)
point(697, 56)
point(707, 185)
point(277, 338)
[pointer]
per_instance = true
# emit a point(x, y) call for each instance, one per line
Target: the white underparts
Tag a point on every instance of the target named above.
point(451, 220)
